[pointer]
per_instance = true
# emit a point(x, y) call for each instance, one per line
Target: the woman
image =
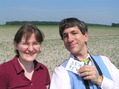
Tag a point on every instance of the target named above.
point(23, 71)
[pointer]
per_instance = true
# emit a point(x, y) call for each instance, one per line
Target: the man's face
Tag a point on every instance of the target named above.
point(74, 40)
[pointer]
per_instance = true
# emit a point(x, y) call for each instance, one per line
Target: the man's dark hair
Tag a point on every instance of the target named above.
point(72, 22)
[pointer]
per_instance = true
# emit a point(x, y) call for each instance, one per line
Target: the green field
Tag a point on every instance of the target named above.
point(102, 41)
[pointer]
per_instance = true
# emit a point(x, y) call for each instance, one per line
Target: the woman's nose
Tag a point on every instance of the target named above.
point(30, 48)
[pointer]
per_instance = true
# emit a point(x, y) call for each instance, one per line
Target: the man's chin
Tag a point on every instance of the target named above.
point(73, 52)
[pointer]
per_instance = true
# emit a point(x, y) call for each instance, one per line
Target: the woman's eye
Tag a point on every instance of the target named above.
point(64, 36)
point(35, 43)
point(25, 43)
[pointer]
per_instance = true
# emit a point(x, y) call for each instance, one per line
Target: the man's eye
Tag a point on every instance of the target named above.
point(74, 33)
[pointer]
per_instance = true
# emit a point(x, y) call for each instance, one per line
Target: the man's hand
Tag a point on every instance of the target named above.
point(88, 72)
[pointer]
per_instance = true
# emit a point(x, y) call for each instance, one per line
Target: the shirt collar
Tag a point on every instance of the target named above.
point(19, 69)
point(17, 65)
point(71, 56)
point(37, 65)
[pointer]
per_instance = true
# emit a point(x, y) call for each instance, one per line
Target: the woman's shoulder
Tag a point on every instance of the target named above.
point(41, 65)
point(6, 64)
point(4, 67)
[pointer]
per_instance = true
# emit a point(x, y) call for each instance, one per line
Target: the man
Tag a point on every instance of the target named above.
point(96, 72)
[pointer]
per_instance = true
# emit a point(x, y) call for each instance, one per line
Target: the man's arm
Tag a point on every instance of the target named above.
point(60, 79)
point(114, 72)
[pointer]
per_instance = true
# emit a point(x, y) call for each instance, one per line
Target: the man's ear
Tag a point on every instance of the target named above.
point(86, 37)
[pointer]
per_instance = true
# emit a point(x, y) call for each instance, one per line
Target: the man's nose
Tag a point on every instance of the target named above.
point(70, 38)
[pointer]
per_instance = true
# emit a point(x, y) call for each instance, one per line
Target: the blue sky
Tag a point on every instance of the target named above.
point(89, 11)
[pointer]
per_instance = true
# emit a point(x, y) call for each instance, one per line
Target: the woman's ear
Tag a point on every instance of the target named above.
point(15, 45)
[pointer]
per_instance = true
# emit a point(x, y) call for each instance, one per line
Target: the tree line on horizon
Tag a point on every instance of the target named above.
point(52, 23)
point(32, 22)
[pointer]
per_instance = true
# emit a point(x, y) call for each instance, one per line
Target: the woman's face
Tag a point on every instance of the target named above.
point(28, 49)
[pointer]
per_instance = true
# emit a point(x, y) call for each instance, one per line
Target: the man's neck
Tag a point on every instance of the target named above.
point(81, 56)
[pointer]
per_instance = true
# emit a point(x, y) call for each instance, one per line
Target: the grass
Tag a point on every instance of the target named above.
point(102, 41)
